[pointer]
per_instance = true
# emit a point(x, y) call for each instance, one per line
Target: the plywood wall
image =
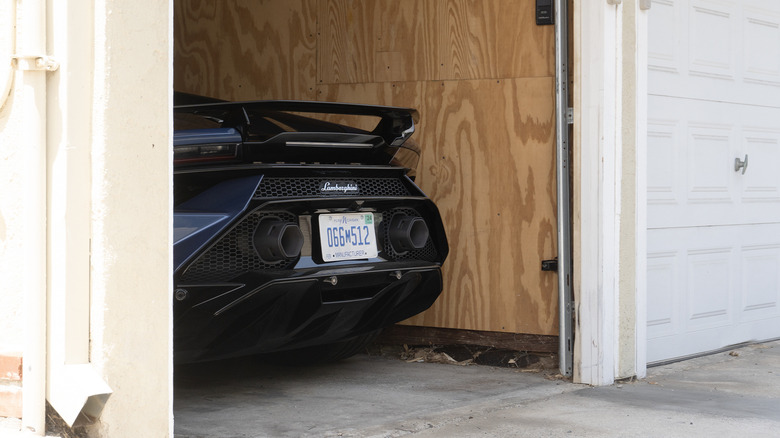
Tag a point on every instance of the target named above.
point(482, 75)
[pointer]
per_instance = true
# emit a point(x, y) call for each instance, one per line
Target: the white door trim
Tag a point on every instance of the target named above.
point(602, 95)
point(594, 202)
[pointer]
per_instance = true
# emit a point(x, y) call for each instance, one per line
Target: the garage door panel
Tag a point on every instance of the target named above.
point(762, 178)
point(663, 155)
point(663, 279)
point(727, 51)
point(760, 282)
point(664, 49)
point(702, 341)
point(692, 147)
point(691, 159)
point(710, 287)
point(713, 266)
point(761, 55)
point(710, 281)
point(709, 150)
point(711, 37)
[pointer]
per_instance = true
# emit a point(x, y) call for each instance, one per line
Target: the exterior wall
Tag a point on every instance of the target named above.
point(11, 227)
point(131, 215)
point(11, 218)
point(105, 125)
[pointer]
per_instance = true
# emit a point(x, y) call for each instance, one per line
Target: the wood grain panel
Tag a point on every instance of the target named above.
point(488, 162)
point(404, 94)
point(281, 49)
point(377, 41)
point(245, 50)
point(482, 75)
point(494, 39)
point(194, 69)
point(406, 40)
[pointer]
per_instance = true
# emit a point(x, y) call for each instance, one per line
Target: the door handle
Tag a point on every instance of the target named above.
point(739, 164)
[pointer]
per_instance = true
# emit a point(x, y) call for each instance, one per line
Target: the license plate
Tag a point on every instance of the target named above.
point(347, 236)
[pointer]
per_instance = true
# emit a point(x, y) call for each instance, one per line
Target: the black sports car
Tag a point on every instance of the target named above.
point(295, 231)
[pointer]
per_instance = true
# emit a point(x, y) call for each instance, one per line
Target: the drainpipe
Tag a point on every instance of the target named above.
point(31, 64)
point(74, 387)
point(69, 382)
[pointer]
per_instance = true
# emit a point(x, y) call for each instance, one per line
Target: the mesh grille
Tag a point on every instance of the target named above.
point(278, 187)
point(427, 253)
point(235, 253)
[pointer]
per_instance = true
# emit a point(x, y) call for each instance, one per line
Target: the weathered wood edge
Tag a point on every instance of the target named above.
point(413, 335)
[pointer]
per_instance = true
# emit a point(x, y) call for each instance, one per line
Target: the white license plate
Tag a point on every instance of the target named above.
point(347, 236)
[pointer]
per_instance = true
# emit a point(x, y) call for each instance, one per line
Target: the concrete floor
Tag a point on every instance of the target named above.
point(736, 393)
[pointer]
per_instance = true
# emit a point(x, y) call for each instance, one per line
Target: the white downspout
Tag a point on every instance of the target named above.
point(30, 60)
point(69, 382)
point(74, 387)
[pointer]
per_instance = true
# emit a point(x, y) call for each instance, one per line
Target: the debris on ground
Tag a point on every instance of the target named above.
point(56, 426)
point(463, 355)
point(429, 355)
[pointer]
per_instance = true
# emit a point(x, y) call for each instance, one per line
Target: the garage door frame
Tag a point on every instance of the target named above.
point(609, 206)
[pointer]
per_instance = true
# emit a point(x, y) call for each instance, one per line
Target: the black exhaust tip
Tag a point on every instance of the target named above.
point(277, 240)
point(408, 233)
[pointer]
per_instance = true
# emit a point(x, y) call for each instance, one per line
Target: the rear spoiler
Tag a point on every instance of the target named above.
point(299, 137)
point(395, 126)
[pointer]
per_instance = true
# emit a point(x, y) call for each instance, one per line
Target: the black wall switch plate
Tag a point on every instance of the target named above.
point(544, 12)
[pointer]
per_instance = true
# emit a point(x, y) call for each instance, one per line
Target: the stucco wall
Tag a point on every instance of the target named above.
point(11, 249)
point(11, 183)
point(131, 215)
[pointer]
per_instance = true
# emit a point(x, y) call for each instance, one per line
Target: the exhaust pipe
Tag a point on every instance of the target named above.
point(408, 233)
point(276, 240)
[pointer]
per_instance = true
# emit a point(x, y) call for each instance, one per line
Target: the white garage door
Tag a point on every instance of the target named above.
point(713, 231)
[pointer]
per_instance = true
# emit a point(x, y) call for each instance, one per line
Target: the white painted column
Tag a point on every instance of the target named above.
point(595, 203)
point(609, 190)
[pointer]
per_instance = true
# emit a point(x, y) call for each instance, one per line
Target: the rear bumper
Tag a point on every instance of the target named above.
point(232, 300)
point(259, 313)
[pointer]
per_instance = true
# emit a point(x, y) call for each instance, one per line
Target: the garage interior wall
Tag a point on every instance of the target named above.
point(482, 76)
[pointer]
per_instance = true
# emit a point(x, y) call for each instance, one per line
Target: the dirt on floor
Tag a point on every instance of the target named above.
point(465, 355)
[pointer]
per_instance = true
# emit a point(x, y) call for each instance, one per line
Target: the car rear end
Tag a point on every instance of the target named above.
point(308, 235)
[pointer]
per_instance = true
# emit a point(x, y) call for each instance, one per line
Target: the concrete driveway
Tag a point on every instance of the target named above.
point(735, 393)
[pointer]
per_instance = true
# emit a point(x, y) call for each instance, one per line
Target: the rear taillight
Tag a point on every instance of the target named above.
point(202, 145)
point(201, 153)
